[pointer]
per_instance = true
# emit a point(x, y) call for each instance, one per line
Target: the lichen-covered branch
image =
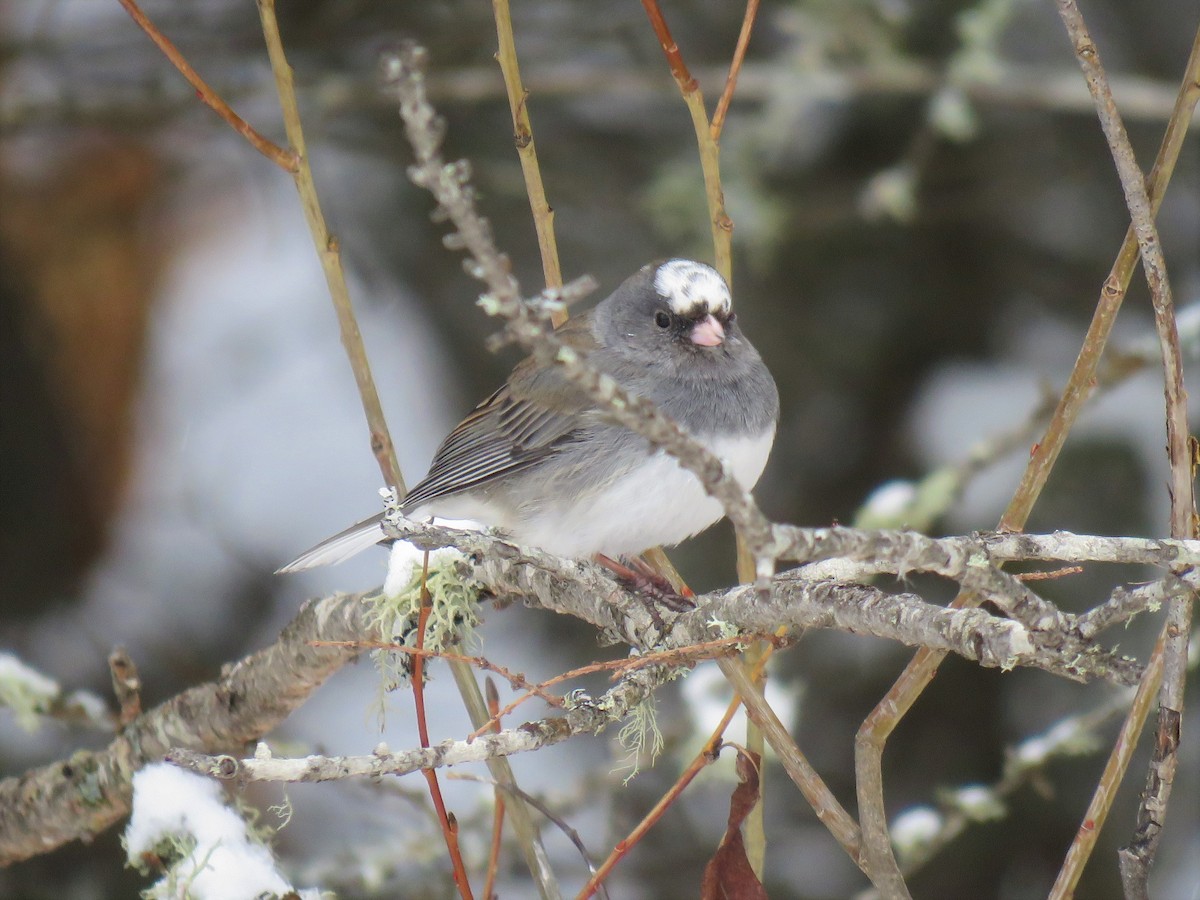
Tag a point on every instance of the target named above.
point(589, 592)
point(585, 717)
point(79, 797)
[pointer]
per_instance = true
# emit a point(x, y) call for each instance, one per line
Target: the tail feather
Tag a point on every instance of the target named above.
point(340, 547)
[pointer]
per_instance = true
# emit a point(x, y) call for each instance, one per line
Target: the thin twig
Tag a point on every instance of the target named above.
point(329, 252)
point(515, 679)
point(493, 705)
point(570, 833)
point(527, 834)
point(675, 657)
point(735, 69)
point(518, 103)
point(875, 730)
point(445, 819)
point(707, 755)
point(710, 152)
point(288, 160)
point(1169, 661)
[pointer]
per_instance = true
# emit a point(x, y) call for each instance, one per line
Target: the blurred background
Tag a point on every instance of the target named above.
point(924, 212)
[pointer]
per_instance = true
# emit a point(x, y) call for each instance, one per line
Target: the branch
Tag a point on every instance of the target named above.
point(79, 798)
point(329, 253)
point(285, 159)
point(588, 717)
point(518, 97)
point(588, 591)
point(1170, 653)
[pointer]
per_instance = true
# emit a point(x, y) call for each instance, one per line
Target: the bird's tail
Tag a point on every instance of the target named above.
point(340, 547)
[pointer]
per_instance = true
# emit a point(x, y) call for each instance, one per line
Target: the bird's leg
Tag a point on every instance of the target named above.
point(648, 584)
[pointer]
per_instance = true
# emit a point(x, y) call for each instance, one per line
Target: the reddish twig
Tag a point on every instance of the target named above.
point(288, 160)
point(670, 49)
point(449, 825)
point(710, 154)
point(708, 755)
point(735, 68)
point(515, 679)
point(621, 667)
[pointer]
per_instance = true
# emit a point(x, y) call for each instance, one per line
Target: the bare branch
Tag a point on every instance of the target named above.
point(330, 254)
point(587, 717)
point(79, 798)
point(285, 159)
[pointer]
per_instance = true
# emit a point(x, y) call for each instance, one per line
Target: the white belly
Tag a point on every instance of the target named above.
point(659, 503)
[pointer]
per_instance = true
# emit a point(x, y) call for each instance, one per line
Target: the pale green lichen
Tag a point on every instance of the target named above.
point(283, 811)
point(28, 693)
point(452, 618)
point(640, 737)
point(489, 304)
point(722, 628)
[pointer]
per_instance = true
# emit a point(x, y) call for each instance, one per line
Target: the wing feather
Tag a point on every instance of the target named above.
point(530, 418)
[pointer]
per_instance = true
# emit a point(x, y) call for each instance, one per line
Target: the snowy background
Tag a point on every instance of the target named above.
point(918, 247)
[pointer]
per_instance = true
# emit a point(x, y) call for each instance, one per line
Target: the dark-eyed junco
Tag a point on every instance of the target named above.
point(538, 460)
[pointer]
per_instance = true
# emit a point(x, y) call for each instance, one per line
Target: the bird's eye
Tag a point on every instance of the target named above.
point(662, 320)
point(732, 317)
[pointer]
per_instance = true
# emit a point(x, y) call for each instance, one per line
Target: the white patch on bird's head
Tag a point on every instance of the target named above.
point(692, 288)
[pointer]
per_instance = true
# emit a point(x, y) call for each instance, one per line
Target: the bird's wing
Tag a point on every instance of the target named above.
point(531, 417)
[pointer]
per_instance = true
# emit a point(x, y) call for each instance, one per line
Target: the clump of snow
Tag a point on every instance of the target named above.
point(888, 505)
point(915, 828)
point(406, 563)
point(182, 818)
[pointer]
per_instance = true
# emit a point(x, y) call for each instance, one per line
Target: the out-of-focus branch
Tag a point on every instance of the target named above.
point(1015, 85)
point(287, 160)
point(78, 798)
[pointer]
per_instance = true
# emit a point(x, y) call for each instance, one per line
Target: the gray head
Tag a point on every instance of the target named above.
point(669, 333)
point(677, 310)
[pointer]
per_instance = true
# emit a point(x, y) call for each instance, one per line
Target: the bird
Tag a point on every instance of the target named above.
point(540, 461)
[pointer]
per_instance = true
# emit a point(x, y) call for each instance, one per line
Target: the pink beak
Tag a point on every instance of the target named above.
point(708, 332)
